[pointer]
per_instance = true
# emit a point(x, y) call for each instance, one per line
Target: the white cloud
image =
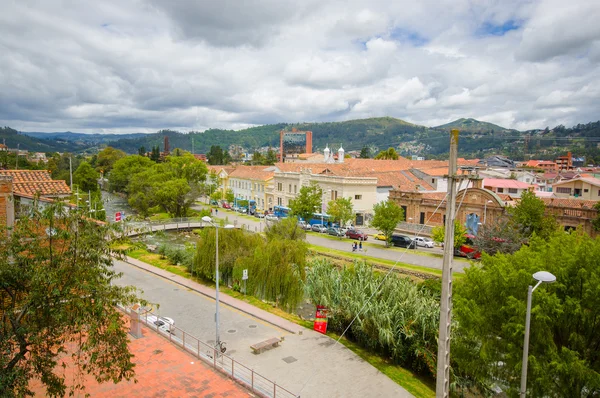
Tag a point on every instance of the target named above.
point(143, 65)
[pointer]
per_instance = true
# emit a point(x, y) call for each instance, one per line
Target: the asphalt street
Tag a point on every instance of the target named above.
point(429, 258)
point(308, 364)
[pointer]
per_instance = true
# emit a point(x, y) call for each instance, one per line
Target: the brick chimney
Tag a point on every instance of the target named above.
point(7, 202)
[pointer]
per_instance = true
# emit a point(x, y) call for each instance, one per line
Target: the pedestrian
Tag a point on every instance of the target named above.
point(216, 212)
point(211, 211)
point(360, 246)
point(354, 247)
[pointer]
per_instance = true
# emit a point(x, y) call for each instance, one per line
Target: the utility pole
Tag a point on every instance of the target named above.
point(71, 174)
point(17, 158)
point(443, 357)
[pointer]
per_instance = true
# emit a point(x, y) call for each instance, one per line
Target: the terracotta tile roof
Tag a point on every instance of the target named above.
point(403, 180)
point(436, 171)
point(571, 203)
point(434, 195)
point(32, 182)
point(252, 173)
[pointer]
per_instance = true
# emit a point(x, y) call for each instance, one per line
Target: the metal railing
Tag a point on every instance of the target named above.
point(423, 230)
point(240, 373)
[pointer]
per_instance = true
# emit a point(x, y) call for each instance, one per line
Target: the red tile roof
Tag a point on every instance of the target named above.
point(505, 183)
point(570, 203)
point(32, 182)
point(252, 173)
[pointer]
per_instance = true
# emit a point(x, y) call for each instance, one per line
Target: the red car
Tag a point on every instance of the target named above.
point(226, 205)
point(355, 234)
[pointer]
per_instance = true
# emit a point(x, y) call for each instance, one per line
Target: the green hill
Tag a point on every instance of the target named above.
point(471, 126)
point(15, 139)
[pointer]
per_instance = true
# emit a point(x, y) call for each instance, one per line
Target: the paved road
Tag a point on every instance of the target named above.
point(374, 248)
point(308, 364)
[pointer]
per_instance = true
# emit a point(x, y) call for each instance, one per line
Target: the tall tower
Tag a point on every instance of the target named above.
point(167, 151)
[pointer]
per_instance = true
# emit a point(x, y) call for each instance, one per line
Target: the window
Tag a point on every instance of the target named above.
point(279, 201)
point(295, 187)
point(513, 190)
point(500, 190)
point(357, 197)
point(563, 190)
point(586, 190)
point(279, 188)
point(433, 180)
point(290, 188)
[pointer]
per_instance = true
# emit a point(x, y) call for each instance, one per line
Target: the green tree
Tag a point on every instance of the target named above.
point(438, 234)
point(229, 196)
point(56, 296)
point(155, 154)
point(308, 201)
point(389, 154)
point(387, 216)
point(364, 153)
point(501, 236)
point(490, 306)
point(341, 210)
point(86, 177)
point(287, 228)
point(174, 196)
point(216, 155)
point(216, 196)
point(142, 151)
point(106, 159)
point(271, 157)
point(124, 169)
point(529, 216)
point(596, 221)
point(258, 158)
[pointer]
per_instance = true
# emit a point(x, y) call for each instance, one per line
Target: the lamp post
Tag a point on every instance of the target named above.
point(323, 204)
point(485, 210)
point(540, 276)
point(210, 221)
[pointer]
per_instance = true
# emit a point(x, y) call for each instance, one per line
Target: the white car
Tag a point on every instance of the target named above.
point(271, 217)
point(423, 241)
point(162, 323)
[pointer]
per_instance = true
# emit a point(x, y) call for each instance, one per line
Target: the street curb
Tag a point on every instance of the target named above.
point(226, 302)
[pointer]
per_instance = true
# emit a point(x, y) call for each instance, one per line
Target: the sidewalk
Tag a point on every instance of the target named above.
point(223, 298)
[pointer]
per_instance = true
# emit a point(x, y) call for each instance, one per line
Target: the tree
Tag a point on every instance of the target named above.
point(529, 216)
point(216, 155)
point(142, 151)
point(390, 154)
point(308, 201)
point(258, 158)
point(364, 153)
point(438, 234)
point(341, 210)
point(107, 157)
point(124, 169)
point(229, 195)
point(271, 157)
point(501, 236)
point(56, 293)
point(387, 215)
point(596, 221)
point(86, 177)
point(287, 228)
point(490, 306)
point(155, 154)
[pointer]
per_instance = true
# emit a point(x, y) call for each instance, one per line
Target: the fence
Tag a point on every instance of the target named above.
point(422, 230)
point(240, 373)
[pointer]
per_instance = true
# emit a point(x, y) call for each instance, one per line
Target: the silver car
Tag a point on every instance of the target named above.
point(319, 228)
point(423, 241)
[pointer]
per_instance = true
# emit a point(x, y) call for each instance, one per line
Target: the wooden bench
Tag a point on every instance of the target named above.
point(259, 347)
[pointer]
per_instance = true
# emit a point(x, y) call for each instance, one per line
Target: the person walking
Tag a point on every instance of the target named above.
point(354, 247)
point(216, 212)
point(360, 246)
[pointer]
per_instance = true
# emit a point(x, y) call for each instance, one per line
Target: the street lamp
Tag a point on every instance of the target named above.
point(540, 276)
point(323, 204)
point(485, 210)
point(210, 221)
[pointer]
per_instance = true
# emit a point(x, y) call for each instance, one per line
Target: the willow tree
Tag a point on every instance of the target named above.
point(56, 296)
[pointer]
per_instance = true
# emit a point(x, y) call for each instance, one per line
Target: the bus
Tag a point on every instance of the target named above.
point(321, 218)
point(281, 211)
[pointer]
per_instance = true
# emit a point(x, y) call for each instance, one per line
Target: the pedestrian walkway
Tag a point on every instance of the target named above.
point(223, 298)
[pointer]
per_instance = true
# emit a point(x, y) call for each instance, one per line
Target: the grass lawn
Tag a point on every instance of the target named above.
point(415, 384)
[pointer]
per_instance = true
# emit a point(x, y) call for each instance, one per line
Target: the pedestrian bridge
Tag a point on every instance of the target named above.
point(134, 228)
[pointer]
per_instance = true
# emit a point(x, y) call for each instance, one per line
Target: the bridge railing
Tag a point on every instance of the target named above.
point(242, 374)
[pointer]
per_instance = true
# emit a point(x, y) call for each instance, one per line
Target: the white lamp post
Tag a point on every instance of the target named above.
point(323, 204)
point(485, 210)
point(540, 276)
point(210, 221)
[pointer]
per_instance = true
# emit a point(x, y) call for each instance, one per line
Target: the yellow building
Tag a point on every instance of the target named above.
point(587, 188)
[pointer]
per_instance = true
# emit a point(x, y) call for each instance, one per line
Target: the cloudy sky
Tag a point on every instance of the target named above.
point(143, 65)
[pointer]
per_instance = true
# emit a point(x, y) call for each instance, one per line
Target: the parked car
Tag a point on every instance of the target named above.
point(243, 210)
point(319, 228)
point(356, 234)
point(302, 224)
point(226, 205)
point(379, 236)
point(271, 217)
point(403, 241)
point(259, 214)
point(214, 203)
point(424, 241)
point(468, 252)
point(162, 323)
point(334, 231)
